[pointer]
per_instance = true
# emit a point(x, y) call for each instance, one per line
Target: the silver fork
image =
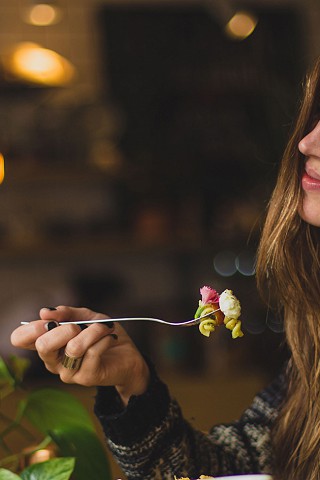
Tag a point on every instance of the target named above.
point(186, 323)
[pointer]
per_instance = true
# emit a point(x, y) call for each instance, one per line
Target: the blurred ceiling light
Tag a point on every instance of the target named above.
point(42, 14)
point(241, 25)
point(32, 63)
point(1, 168)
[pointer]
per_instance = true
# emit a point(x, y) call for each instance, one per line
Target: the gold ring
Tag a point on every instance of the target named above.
point(71, 363)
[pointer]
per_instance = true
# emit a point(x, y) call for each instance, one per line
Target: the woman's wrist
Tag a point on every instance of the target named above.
point(143, 411)
point(137, 383)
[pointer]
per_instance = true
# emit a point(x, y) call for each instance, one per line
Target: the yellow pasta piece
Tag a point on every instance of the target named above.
point(237, 332)
point(207, 326)
point(230, 323)
point(235, 326)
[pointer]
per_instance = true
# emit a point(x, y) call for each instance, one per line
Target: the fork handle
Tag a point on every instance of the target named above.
point(107, 320)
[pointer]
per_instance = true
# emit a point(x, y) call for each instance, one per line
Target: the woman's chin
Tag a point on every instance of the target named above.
point(310, 211)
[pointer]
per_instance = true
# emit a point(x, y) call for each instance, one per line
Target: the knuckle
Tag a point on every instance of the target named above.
point(65, 377)
point(91, 354)
point(100, 329)
point(71, 330)
point(42, 345)
point(86, 311)
point(74, 347)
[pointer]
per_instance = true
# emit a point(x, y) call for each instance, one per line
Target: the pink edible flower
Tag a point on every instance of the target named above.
point(209, 295)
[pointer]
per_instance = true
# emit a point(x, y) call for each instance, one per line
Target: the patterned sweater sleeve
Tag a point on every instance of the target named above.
point(151, 440)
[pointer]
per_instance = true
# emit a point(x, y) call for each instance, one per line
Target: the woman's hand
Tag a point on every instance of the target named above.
point(109, 355)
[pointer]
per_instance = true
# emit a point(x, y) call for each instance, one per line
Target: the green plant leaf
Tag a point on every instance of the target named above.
point(7, 475)
point(6, 378)
point(18, 367)
point(64, 418)
point(56, 468)
point(49, 408)
point(91, 457)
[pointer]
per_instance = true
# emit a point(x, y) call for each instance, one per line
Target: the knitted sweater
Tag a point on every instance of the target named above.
point(151, 440)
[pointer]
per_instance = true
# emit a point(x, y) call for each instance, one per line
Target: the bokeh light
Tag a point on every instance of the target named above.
point(42, 14)
point(35, 64)
point(245, 263)
point(1, 168)
point(224, 263)
point(241, 25)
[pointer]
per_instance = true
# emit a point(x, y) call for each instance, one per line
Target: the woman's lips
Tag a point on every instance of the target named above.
point(311, 171)
point(310, 183)
point(311, 177)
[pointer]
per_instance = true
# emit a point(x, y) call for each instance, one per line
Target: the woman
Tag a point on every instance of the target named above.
point(280, 431)
point(289, 271)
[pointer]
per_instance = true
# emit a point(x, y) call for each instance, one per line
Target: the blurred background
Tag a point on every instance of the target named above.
point(139, 144)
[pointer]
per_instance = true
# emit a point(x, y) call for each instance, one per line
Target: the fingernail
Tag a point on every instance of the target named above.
point(51, 325)
point(49, 308)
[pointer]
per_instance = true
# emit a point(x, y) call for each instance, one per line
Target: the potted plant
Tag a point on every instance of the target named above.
point(62, 425)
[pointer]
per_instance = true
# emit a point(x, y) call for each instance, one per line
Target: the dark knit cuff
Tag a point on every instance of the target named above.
point(126, 426)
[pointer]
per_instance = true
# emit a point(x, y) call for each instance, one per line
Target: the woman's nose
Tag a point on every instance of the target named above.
point(310, 144)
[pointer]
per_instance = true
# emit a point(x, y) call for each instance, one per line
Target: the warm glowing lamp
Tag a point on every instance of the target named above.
point(241, 25)
point(42, 14)
point(1, 168)
point(40, 456)
point(32, 63)
point(32, 455)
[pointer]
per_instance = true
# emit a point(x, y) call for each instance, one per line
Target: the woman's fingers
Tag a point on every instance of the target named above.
point(25, 336)
point(69, 338)
point(78, 345)
point(113, 361)
point(109, 357)
point(49, 345)
point(63, 313)
point(92, 365)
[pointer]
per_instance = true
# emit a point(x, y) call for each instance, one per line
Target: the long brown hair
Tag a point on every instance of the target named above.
point(288, 273)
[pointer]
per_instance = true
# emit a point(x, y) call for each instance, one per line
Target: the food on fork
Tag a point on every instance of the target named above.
point(225, 308)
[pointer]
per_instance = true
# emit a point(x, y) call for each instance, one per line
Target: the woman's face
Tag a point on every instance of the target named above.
point(309, 146)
